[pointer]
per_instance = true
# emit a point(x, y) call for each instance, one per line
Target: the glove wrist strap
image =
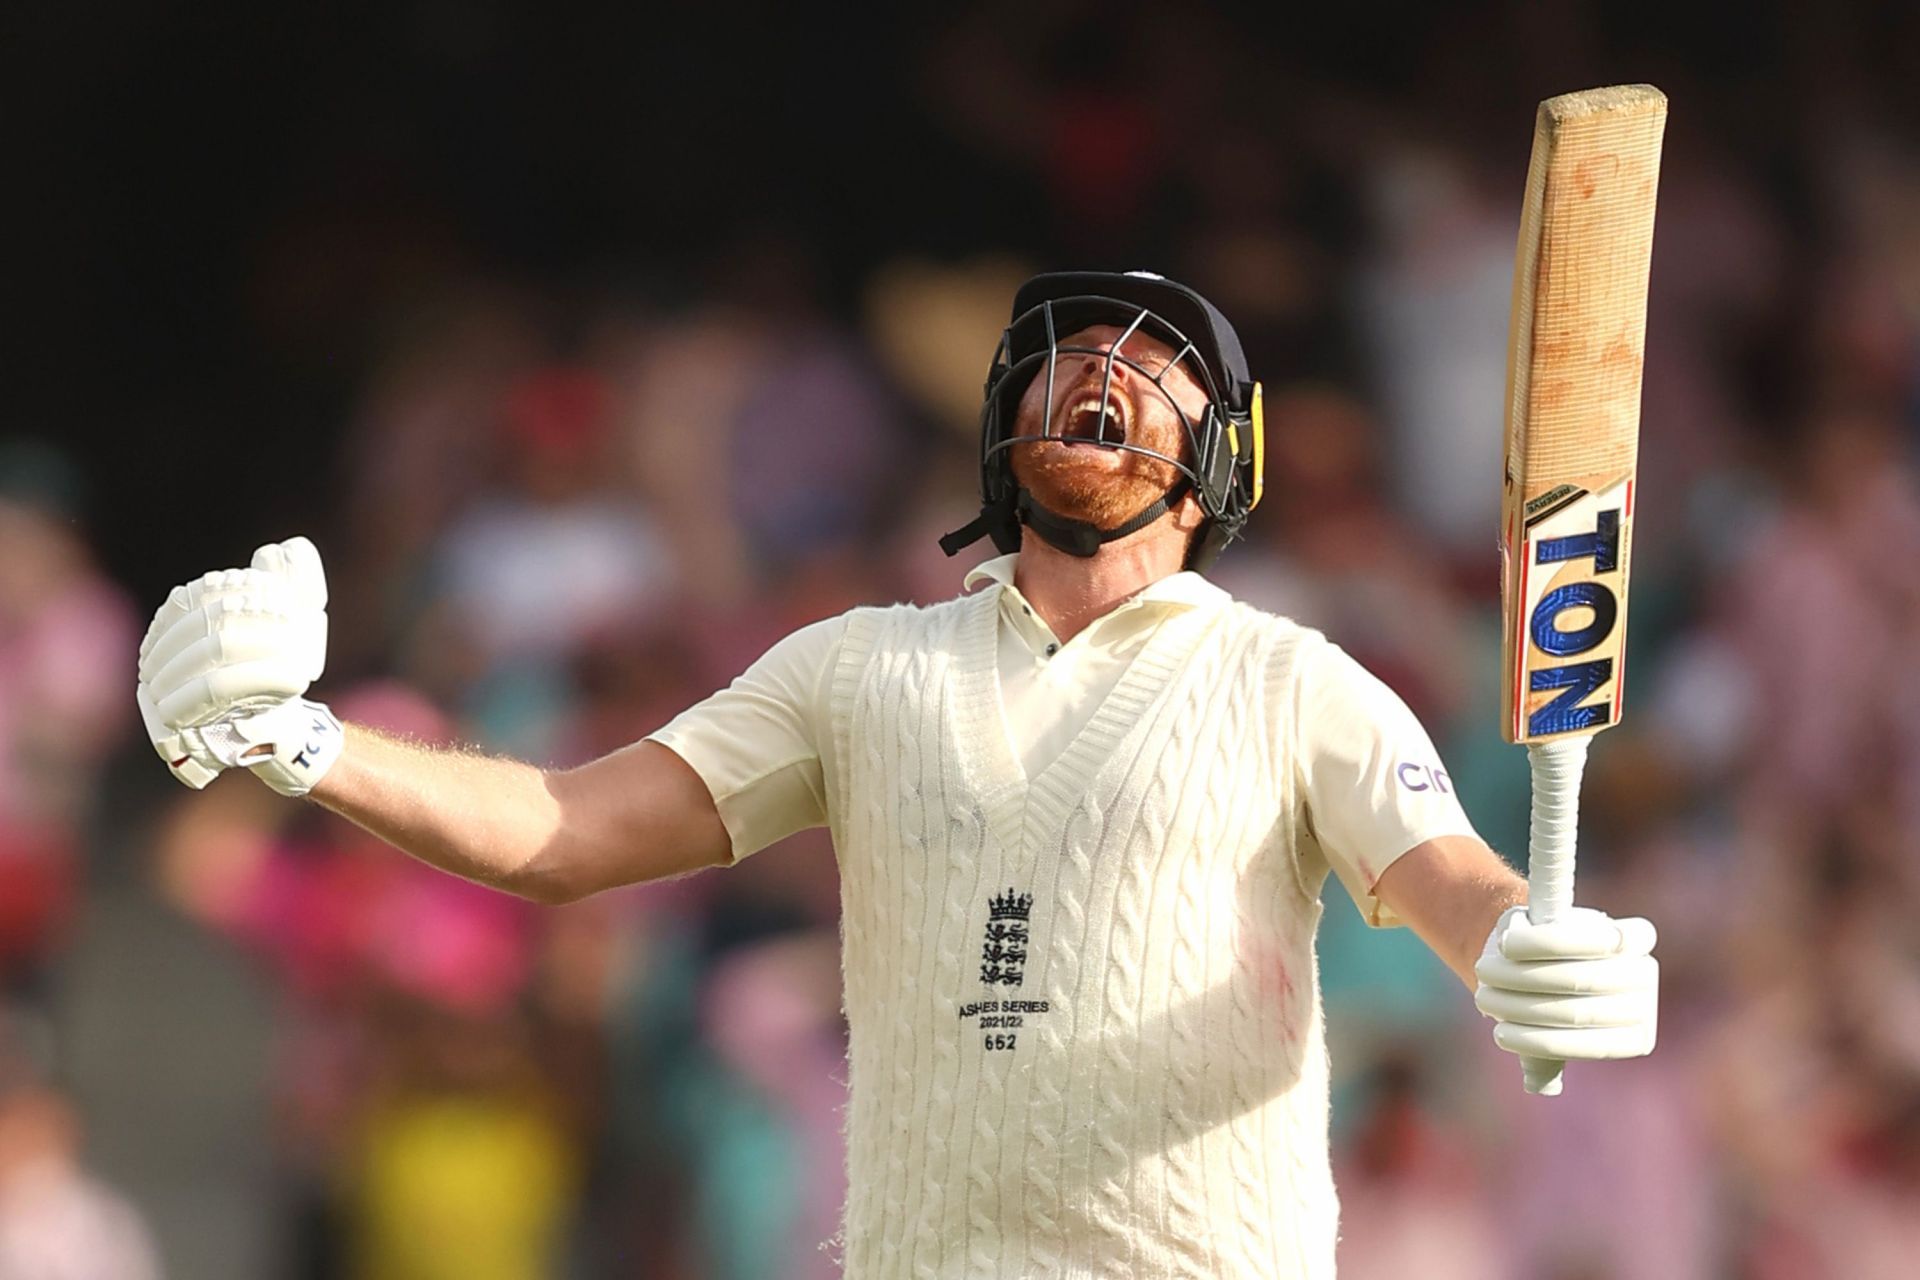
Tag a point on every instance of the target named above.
point(289, 747)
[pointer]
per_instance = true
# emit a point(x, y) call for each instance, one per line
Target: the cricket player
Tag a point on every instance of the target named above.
point(1083, 813)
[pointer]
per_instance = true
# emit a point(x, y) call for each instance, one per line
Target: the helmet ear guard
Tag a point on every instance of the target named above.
point(1234, 468)
point(1235, 472)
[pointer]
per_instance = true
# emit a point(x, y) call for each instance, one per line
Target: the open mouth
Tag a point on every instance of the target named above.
point(1094, 420)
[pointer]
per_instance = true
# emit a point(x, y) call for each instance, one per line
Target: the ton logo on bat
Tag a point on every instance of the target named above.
point(1576, 543)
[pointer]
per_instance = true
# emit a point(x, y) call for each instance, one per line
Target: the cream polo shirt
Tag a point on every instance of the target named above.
point(1373, 783)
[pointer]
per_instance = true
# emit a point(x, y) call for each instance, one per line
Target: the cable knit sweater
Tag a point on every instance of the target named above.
point(1085, 1022)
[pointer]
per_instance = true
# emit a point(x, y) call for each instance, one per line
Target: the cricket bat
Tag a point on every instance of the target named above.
point(1579, 326)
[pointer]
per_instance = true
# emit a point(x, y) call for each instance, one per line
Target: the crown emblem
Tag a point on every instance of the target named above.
point(1010, 906)
point(1003, 955)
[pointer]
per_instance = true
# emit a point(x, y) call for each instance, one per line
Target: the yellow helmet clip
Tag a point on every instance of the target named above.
point(1259, 425)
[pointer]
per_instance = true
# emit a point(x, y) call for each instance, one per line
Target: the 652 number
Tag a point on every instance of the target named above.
point(998, 1041)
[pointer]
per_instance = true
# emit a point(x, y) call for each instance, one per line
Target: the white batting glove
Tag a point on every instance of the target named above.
point(1584, 987)
point(236, 635)
point(223, 660)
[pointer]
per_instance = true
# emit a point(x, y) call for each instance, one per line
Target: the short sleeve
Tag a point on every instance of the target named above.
point(1373, 784)
point(757, 742)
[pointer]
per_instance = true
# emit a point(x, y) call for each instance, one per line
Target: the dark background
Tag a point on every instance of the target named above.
point(212, 201)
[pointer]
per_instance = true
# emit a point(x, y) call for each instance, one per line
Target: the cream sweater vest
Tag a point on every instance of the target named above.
point(1085, 1025)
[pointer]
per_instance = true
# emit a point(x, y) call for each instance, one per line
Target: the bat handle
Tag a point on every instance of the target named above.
point(1557, 766)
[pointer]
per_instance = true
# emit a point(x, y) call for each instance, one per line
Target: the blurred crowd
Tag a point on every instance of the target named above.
point(555, 514)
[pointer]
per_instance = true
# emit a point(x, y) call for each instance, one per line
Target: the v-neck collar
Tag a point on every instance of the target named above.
point(990, 757)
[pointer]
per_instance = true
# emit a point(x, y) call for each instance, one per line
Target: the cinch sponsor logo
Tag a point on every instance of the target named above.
point(1424, 777)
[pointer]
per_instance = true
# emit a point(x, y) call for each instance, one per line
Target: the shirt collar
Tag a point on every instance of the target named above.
point(1183, 590)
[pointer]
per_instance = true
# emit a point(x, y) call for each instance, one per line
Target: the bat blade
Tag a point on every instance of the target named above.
point(1573, 409)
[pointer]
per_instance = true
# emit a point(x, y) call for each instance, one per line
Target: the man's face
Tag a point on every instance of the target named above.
point(1073, 475)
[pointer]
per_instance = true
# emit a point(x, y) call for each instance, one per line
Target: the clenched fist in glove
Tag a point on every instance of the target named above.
point(1584, 986)
point(224, 665)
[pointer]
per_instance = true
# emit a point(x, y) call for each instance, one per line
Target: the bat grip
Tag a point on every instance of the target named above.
point(1557, 766)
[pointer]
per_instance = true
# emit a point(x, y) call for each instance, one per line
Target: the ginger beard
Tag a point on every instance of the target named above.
point(1075, 476)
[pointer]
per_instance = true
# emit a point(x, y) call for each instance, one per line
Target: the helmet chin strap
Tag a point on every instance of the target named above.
point(1083, 538)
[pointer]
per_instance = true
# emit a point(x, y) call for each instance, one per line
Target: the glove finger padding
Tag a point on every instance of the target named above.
point(269, 598)
point(296, 562)
point(238, 639)
point(1624, 1009)
point(1583, 1044)
point(189, 597)
point(288, 574)
point(1612, 976)
point(205, 698)
point(1581, 933)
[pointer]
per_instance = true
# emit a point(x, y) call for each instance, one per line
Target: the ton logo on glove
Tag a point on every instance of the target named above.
point(224, 667)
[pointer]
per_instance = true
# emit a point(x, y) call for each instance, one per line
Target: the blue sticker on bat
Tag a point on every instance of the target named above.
point(1545, 623)
point(1570, 612)
point(1578, 681)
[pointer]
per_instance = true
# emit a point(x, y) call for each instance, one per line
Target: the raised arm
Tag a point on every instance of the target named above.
point(223, 671)
point(1385, 816)
point(550, 835)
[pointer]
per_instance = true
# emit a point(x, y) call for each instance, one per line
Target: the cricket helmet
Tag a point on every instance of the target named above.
point(1222, 462)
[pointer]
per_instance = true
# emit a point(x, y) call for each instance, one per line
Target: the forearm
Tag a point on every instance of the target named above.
point(548, 835)
point(1463, 934)
point(490, 820)
point(1452, 891)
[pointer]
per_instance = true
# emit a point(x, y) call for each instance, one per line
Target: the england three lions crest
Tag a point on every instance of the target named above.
point(1003, 956)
